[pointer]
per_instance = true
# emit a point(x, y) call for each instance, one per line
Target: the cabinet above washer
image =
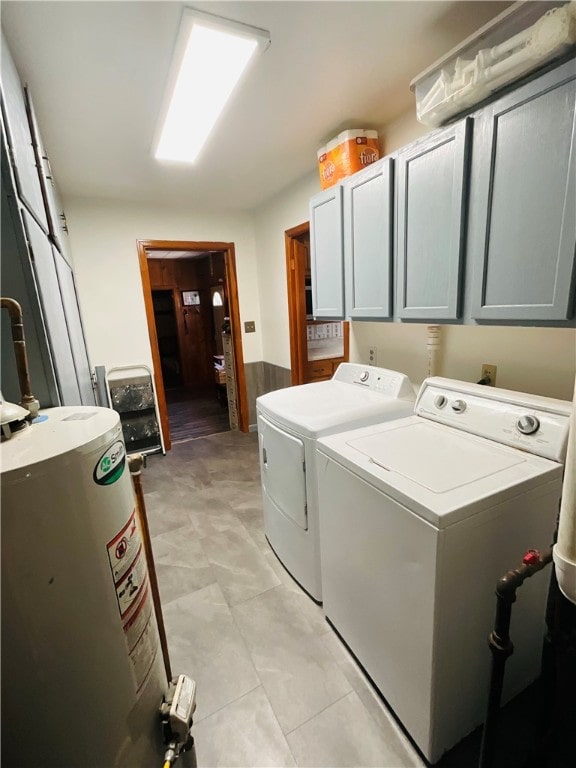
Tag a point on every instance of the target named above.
point(522, 229)
point(484, 221)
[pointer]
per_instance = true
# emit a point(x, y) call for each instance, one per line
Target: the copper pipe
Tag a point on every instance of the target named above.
point(15, 311)
point(135, 462)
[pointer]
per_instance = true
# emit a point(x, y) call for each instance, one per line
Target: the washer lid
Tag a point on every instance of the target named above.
point(435, 471)
point(438, 460)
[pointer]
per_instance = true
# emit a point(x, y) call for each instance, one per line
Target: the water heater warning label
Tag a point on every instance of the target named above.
point(132, 584)
point(133, 594)
point(124, 548)
point(142, 638)
point(128, 564)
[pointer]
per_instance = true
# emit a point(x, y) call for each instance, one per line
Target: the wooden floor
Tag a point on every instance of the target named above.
point(195, 414)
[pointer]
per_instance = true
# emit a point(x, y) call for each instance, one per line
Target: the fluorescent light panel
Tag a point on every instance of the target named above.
point(210, 58)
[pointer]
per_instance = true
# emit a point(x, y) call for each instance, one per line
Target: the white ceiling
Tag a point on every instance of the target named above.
point(97, 70)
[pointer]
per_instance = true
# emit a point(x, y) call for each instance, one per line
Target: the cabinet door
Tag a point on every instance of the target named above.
point(368, 241)
point(327, 254)
point(75, 330)
point(523, 204)
point(57, 225)
point(432, 187)
point(53, 312)
point(19, 139)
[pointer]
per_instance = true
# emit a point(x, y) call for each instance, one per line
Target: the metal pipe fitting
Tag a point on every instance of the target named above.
point(28, 400)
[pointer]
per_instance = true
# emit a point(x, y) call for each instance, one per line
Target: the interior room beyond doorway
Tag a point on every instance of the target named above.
point(191, 301)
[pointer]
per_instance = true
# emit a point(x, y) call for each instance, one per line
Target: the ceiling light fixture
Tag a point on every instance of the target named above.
point(210, 56)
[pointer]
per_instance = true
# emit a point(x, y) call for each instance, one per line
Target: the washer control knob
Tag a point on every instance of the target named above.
point(364, 376)
point(440, 401)
point(459, 406)
point(527, 424)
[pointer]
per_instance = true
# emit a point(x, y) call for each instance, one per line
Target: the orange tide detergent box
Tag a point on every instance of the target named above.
point(347, 153)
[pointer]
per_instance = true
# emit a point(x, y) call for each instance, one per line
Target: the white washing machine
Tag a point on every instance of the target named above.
point(419, 518)
point(289, 423)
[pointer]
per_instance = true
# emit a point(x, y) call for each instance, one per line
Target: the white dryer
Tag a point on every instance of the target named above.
point(419, 519)
point(289, 423)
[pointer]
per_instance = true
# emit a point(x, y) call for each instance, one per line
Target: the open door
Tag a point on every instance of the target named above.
point(146, 249)
point(297, 242)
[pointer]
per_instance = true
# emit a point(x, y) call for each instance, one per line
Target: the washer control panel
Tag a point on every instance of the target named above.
point(532, 423)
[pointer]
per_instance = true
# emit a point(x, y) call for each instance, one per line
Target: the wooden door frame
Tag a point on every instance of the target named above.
point(297, 309)
point(146, 246)
point(296, 312)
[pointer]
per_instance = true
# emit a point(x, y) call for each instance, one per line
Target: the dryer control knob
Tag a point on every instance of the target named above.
point(459, 406)
point(440, 401)
point(364, 376)
point(528, 424)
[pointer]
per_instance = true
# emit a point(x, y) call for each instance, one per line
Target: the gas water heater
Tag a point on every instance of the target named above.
point(82, 668)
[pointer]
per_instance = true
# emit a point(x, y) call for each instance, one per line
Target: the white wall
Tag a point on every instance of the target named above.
point(537, 360)
point(285, 211)
point(104, 234)
point(103, 238)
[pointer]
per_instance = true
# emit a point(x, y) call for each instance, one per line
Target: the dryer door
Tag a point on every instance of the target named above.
point(283, 469)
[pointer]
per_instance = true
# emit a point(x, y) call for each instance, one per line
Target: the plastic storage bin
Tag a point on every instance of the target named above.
point(523, 38)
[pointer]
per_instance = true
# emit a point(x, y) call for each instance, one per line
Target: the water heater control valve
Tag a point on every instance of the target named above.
point(176, 713)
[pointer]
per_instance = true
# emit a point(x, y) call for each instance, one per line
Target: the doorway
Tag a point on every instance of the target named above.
point(306, 361)
point(167, 333)
point(191, 298)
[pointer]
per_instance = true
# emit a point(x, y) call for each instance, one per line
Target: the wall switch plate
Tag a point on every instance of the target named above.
point(489, 372)
point(372, 355)
point(249, 326)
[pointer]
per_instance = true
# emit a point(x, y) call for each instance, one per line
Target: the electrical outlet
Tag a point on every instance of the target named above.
point(249, 326)
point(372, 355)
point(489, 372)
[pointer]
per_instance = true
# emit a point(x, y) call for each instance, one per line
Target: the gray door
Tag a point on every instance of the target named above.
point(75, 330)
point(523, 203)
point(431, 185)
point(57, 225)
point(326, 254)
point(17, 280)
point(368, 241)
point(20, 139)
point(53, 312)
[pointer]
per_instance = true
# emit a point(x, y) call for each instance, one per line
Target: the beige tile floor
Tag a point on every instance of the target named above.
point(276, 687)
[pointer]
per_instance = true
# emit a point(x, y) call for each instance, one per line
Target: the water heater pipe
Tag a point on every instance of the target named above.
point(433, 344)
point(501, 646)
point(564, 551)
point(135, 462)
point(28, 400)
